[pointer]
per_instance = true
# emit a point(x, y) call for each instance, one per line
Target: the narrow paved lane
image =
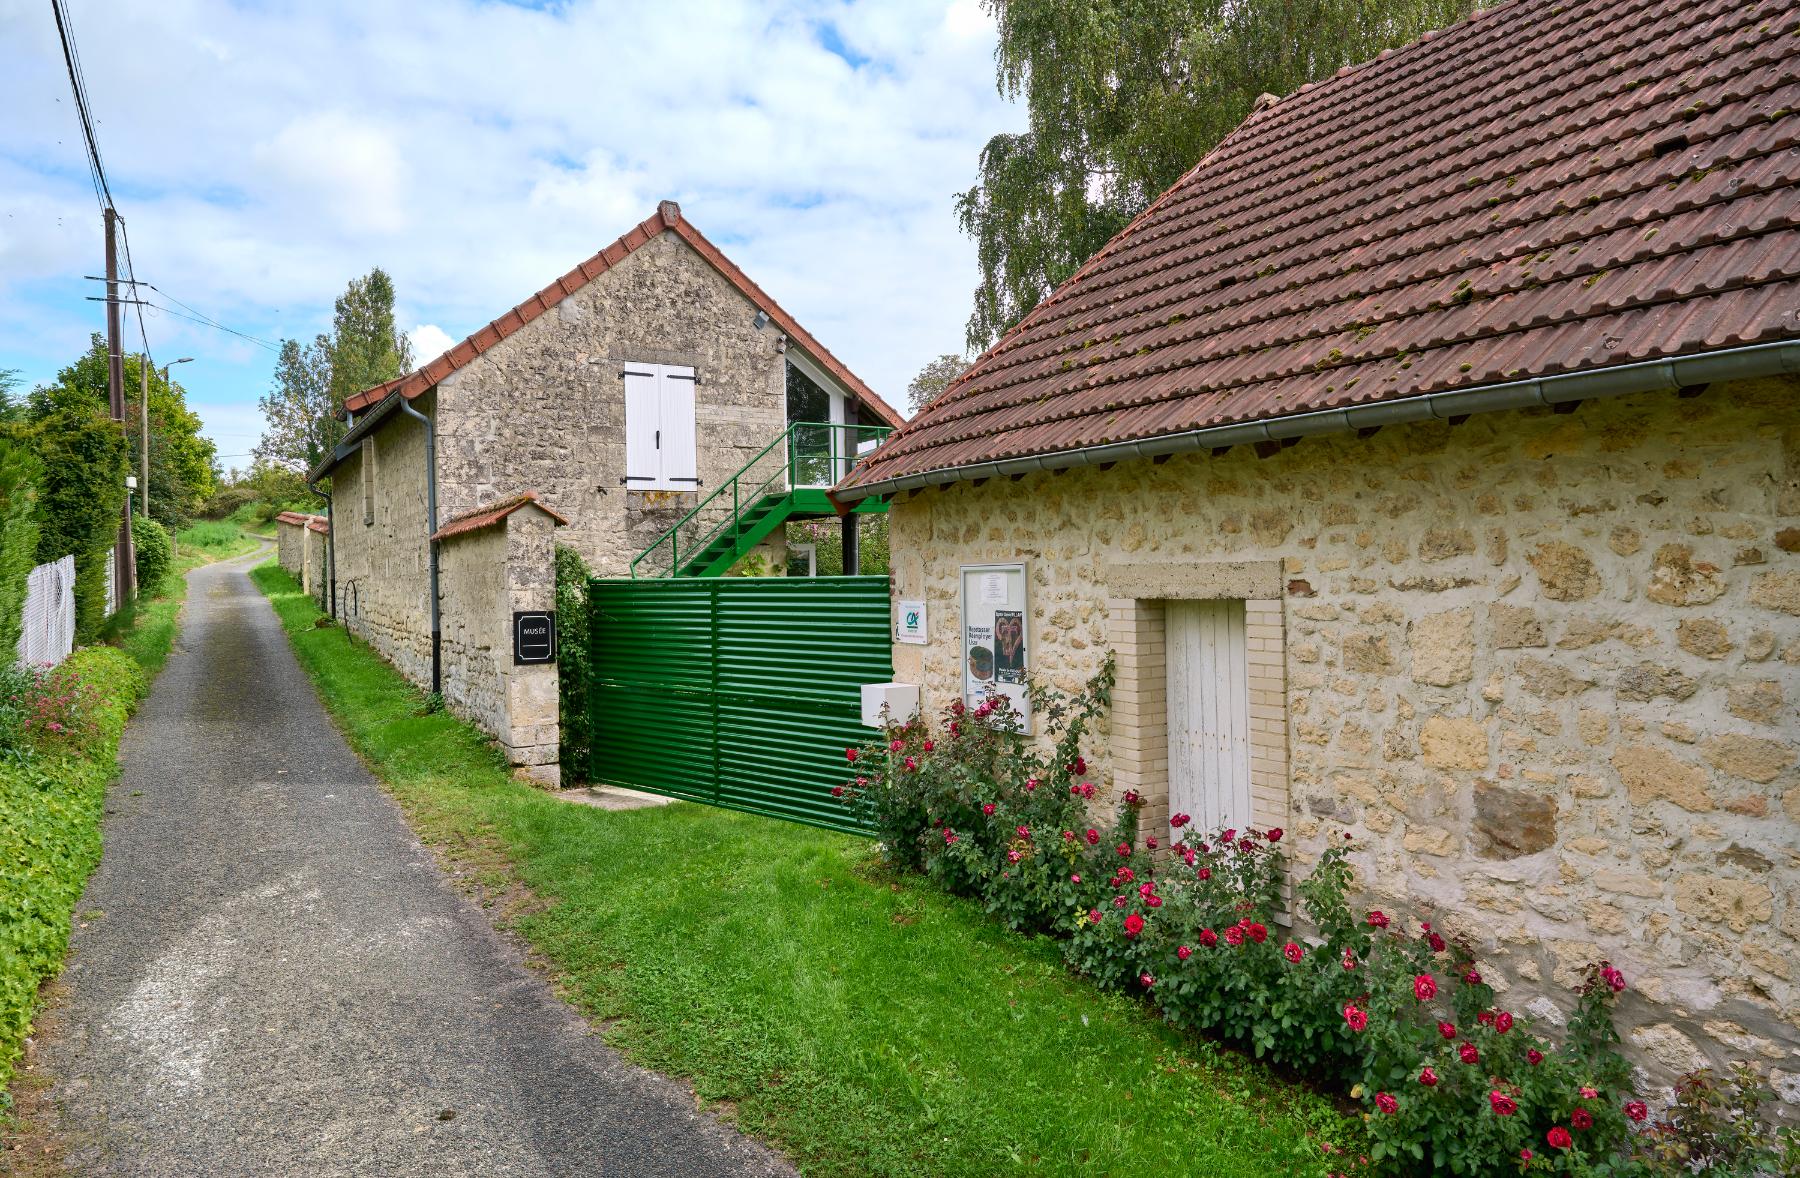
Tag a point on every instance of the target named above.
point(281, 982)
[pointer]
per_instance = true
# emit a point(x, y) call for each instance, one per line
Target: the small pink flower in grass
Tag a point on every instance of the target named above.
point(1293, 952)
point(1356, 1017)
point(1386, 1103)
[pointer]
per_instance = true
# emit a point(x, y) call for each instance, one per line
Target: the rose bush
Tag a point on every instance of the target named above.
point(1386, 1008)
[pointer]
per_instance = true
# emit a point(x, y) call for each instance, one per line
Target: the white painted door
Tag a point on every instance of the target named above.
point(1209, 713)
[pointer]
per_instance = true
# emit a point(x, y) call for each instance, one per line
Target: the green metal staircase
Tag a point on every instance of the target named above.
point(786, 481)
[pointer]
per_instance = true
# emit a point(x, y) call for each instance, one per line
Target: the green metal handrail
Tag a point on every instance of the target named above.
point(839, 455)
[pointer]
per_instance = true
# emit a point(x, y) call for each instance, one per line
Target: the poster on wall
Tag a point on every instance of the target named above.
point(995, 636)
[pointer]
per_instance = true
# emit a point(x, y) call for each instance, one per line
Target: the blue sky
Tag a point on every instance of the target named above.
point(265, 153)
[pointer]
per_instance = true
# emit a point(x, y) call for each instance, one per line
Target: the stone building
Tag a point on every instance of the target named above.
point(621, 396)
point(1442, 489)
point(300, 543)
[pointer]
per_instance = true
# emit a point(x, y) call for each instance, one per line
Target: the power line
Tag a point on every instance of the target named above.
point(83, 113)
point(204, 322)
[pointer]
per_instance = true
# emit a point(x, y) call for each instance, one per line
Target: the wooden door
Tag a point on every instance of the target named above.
point(1209, 713)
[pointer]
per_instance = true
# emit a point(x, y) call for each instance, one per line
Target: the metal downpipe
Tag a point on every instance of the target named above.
point(431, 526)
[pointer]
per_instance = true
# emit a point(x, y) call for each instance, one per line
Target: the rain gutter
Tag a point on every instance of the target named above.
point(1753, 360)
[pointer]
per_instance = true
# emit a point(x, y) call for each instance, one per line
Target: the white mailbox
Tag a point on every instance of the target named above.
point(900, 701)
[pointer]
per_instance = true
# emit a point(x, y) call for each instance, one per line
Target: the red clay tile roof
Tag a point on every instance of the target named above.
point(298, 518)
point(317, 524)
point(1550, 186)
point(493, 513)
point(667, 217)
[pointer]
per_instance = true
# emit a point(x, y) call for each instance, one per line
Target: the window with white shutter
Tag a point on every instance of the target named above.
point(661, 452)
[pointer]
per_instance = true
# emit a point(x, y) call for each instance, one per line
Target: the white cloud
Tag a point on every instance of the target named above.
point(429, 341)
point(263, 155)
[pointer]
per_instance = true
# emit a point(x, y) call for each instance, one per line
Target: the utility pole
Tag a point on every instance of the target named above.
point(144, 433)
point(124, 567)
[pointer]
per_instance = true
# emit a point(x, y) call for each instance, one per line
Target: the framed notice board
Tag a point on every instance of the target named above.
point(996, 639)
point(534, 637)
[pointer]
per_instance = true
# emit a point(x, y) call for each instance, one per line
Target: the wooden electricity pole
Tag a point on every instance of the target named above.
point(124, 567)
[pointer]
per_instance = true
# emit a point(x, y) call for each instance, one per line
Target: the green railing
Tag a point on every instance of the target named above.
point(805, 454)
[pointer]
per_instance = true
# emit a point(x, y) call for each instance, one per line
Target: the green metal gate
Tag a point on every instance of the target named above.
point(740, 692)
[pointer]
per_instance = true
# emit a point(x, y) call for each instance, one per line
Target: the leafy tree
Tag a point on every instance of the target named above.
point(300, 425)
point(11, 405)
point(83, 453)
point(19, 477)
point(366, 348)
point(933, 379)
point(1123, 97)
point(305, 407)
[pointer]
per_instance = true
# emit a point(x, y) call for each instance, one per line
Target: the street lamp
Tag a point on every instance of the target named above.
point(144, 429)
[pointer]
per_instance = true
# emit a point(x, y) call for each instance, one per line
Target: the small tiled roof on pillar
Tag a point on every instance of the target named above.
point(493, 513)
point(1550, 187)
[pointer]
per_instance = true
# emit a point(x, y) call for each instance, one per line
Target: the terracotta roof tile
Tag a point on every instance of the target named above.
point(493, 513)
point(667, 218)
point(1552, 187)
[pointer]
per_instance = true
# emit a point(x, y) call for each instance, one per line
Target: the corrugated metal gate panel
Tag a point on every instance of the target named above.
point(741, 692)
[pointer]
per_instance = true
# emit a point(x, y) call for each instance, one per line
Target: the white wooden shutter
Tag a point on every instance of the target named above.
point(643, 459)
point(1209, 713)
point(680, 455)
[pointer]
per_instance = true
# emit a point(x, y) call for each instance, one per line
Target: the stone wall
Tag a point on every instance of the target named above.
point(544, 409)
point(313, 568)
point(1546, 667)
point(485, 575)
point(290, 547)
point(383, 557)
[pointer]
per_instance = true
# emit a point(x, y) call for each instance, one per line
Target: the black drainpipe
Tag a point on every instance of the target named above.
point(330, 545)
point(437, 673)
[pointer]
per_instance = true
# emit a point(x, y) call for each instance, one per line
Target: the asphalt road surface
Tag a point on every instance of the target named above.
point(281, 982)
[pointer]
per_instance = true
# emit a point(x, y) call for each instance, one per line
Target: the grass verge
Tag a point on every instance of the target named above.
point(216, 539)
point(863, 1022)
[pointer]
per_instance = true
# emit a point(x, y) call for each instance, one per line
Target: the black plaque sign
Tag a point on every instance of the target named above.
point(534, 636)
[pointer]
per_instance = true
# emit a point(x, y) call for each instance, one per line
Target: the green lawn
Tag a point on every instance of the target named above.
point(216, 538)
point(864, 1023)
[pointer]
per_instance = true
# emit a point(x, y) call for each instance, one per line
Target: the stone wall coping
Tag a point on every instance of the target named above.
point(1195, 580)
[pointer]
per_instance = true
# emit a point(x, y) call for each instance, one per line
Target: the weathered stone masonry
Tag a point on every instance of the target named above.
point(1545, 667)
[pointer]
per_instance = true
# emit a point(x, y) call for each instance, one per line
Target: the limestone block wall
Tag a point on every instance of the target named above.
point(1546, 668)
point(544, 409)
point(486, 575)
point(290, 547)
point(313, 574)
point(383, 554)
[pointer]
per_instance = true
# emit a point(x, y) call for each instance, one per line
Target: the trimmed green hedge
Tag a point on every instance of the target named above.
point(50, 811)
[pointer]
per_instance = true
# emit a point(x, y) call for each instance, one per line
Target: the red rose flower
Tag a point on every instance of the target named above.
point(1229, 835)
point(1472, 977)
point(1131, 797)
point(1637, 1110)
point(1524, 1155)
point(911, 765)
point(1153, 901)
point(1581, 1119)
point(1436, 942)
point(1468, 1053)
point(1559, 1138)
point(1424, 987)
point(1256, 932)
point(1150, 842)
point(1179, 820)
point(1503, 1022)
point(1077, 767)
point(1349, 959)
point(1147, 980)
point(896, 746)
point(1024, 832)
point(1428, 1078)
point(1134, 924)
point(1535, 1056)
point(1184, 953)
point(1203, 873)
point(1502, 1104)
point(1386, 1103)
point(1075, 878)
point(1093, 837)
point(1447, 1030)
point(1096, 916)
point(1293, 952)
point(850, 755)
point(1123, 849)
point(929, 746)
point(1013, 856)
point(837, 791)
point(1485, 1018)
point(1031, 783)
point(1589, 1093)
point(1274, 834)
point(1068, 836)
point(1378, 919)
point(988, 809)
point(949, 836)
point(1208, 937)
point(1234, 936)
point(1357, 1017)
